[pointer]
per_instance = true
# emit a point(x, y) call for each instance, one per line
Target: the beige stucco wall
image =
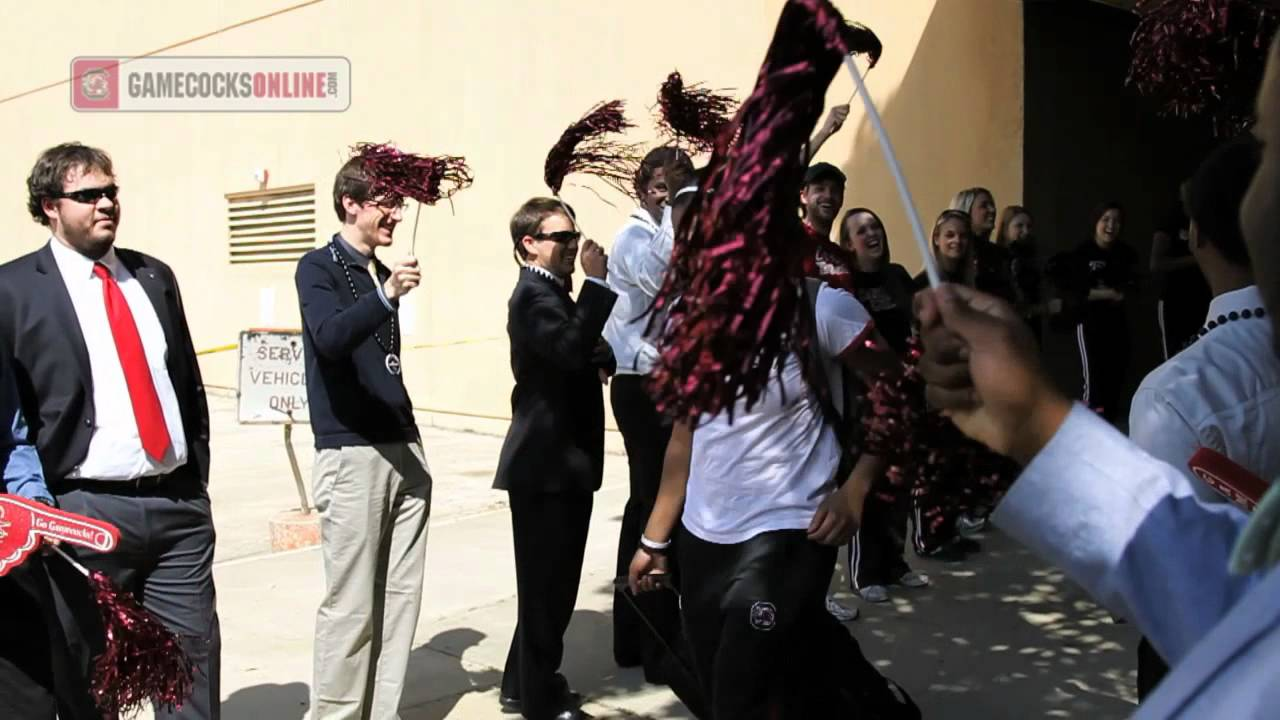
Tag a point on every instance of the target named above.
point(495, 81)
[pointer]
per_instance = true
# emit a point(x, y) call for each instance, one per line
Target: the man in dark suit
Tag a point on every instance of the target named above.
point(109, 383)
point(553, 457)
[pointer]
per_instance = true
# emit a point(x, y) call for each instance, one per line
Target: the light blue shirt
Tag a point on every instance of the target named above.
point(1133, 532)
point(23, 474)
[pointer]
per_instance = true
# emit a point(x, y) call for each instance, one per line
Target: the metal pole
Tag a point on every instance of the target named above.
point(293, 464)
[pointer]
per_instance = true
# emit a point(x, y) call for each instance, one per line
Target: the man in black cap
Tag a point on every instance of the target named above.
point(822, 197)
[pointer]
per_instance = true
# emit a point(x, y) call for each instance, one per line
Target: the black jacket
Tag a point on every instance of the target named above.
point(51, 362)
point(353, 398)
point(556, 439)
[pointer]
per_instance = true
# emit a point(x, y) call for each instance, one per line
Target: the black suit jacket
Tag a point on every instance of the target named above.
point(51, 362)
point(556, 439)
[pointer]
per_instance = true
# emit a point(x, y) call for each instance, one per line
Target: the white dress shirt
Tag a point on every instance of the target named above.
point(637, 264)
point(1132, 531)
point(1222, 392)
point(115, 449)
point(556, 278)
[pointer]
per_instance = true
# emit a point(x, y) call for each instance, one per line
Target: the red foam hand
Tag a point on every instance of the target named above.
point(24, 522)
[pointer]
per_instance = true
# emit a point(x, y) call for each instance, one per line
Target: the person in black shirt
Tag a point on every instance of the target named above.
point(1184, 294)
point(1024, 267)
point(371, 482)
point(1096, 279)
point(952, 250)
point(884, 288)
point(991, 260)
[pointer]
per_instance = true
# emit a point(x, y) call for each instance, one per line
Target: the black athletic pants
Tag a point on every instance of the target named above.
point(875, 552)
point(1104, 362)
point(763, 643)
point(645, 434)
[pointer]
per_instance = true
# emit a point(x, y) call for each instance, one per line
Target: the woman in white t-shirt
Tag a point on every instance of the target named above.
point(763, 515)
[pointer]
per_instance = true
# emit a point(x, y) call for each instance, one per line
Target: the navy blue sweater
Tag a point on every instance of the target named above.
point(354, 400)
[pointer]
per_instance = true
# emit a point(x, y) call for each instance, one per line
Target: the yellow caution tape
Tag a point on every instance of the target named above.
point(419, 346)
point(220, 348)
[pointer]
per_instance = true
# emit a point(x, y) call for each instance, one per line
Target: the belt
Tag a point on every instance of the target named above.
point(134, 486)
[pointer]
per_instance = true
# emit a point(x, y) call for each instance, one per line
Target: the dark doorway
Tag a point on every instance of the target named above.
point(1090, 138)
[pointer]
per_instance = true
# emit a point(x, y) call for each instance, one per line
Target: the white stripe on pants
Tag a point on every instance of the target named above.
point(374, 502)
point(1164, 332)
point(1084, 361)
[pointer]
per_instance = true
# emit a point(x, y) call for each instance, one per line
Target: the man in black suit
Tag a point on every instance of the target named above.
point(109, 383)
point(553, 457)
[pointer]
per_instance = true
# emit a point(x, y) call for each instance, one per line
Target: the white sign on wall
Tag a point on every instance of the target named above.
point(273, 378)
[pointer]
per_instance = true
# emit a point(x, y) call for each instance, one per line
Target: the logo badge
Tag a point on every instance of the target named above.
point(764, 616)
point(95, 84)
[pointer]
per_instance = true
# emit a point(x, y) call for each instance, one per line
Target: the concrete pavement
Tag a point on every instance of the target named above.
point(998, 636)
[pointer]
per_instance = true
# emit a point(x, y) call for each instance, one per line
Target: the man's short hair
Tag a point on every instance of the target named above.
point(1213, 195)
point(662, 158)
point(51, 170)
point(351, 181)
point(528, 219)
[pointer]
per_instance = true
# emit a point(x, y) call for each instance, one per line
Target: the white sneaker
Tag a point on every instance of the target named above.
point(969, 525)
point(841, 612)
point(914, 579)
point(874, 593)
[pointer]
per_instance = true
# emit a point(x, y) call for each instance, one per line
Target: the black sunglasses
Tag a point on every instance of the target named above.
point(91, 196)
point(560, 236)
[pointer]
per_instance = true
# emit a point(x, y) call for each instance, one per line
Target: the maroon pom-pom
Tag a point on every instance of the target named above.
point(732, 296)
point(395, 174)
point(692, 114)
point(142, 663)
point(583, 148)
point(1203, 56)
point(945, 472)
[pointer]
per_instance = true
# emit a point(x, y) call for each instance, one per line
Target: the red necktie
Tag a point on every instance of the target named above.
point(133, 360)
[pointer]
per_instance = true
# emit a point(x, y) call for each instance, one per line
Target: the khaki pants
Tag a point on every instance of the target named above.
point(373, 504)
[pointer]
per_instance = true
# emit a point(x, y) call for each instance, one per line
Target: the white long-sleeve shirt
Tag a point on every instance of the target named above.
point(1222, 392)
point(637, 264)
point(1133, 532)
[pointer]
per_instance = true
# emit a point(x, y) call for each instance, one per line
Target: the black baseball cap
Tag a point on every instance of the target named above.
point(818, 172)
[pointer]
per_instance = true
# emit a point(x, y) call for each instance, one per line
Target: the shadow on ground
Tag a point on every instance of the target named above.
point(439, 677)
point(267, 702)
point(1001, 635)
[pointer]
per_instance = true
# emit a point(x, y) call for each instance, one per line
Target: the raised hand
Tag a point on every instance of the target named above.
point(595, 263)
point(405, 276)
point(981, 369)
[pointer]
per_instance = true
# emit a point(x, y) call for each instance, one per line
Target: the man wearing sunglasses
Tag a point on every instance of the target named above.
point(111, 388)
point(552, 460)
point(371, 482)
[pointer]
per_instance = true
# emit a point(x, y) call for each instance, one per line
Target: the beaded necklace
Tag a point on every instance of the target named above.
point(1221, 320)
point(392, 360)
